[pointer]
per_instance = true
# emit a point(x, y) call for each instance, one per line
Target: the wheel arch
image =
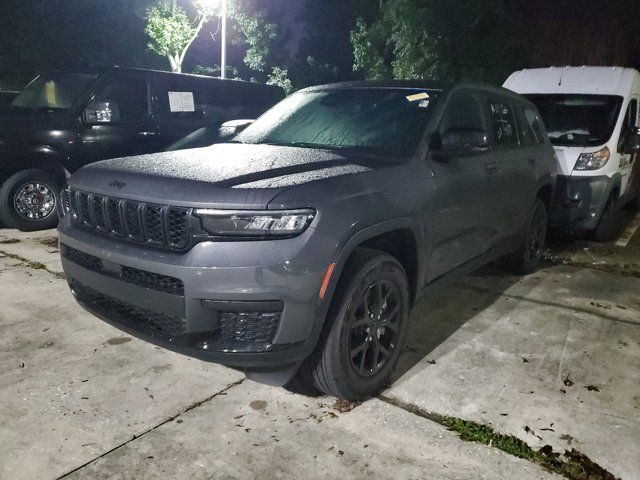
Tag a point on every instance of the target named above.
point(398, 238)
point(41, 157)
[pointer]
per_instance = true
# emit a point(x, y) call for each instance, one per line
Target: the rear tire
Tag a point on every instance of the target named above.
point(606, 229)
point(527, 259)
point(365, 329)
point(28, 201)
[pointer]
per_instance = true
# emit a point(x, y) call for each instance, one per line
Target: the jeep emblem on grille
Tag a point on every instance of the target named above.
point(117, 184)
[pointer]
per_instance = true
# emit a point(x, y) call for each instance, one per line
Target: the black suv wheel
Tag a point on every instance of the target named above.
point(28, 201)
point(527, 259)
point(366, 328)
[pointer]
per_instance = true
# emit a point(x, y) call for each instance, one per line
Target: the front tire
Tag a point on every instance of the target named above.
point(28, 201)
point(607, 228)
point(365, 331)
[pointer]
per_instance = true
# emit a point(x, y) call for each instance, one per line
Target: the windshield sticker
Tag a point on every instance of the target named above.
point(181, 102)
point(419, 96)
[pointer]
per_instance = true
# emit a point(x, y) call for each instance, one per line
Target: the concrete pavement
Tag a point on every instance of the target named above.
point(552, 359)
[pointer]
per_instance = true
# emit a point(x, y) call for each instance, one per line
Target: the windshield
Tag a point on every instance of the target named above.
point(54, 92)
point(578, 120)
point(376, 121)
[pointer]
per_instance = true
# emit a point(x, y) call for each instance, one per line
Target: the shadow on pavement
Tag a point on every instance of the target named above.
point(437, 316)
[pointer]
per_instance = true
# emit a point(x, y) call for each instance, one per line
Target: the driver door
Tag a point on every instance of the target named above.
point(467, 213)
point(629, 163)
point(118, 122)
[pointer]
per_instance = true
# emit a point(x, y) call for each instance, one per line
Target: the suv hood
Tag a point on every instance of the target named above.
point(221, 176)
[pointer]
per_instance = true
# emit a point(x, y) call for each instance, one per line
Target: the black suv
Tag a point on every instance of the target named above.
point(299, 248)
point(63, 121)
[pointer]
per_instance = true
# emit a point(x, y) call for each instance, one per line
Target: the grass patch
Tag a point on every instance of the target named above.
point(572, 464)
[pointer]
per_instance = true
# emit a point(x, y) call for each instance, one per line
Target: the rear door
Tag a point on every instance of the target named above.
point(518, 156)
point(465, 224)
point(118, 121)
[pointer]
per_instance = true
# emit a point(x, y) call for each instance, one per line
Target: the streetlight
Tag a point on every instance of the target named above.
point(223, 55)
point(223, 30)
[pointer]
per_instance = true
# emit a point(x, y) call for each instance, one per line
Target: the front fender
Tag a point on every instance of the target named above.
point(40, 156)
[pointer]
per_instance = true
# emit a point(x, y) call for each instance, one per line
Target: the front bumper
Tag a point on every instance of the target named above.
point(241, 304)
point(579, 202)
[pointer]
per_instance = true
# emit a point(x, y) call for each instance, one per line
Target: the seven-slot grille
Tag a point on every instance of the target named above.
point(161, 226)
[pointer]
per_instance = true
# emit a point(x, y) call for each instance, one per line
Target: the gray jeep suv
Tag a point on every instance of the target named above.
point(295, 251)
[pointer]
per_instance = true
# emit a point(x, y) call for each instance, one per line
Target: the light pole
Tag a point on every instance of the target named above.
point(223, 55)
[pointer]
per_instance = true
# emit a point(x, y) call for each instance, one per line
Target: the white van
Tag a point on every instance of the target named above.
point(592, 118)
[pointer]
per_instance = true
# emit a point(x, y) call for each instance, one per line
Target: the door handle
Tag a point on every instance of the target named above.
point(146, 134)
point(491, 168)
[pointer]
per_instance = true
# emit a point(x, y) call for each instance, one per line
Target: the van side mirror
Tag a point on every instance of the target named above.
point(632, 142)
point(230, 129)
point(102, 112)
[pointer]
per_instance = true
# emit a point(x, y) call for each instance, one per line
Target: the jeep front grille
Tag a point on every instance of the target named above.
point(161, 226)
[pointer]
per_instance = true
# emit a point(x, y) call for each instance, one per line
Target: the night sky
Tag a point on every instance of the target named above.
point(39, 35)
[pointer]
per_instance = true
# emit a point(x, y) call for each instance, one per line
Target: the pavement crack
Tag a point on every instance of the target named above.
point(155, 427)
point(31, 264)
point(572, 464)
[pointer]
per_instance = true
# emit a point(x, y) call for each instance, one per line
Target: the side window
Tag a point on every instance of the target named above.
point(537, 125)
point(127, 96)
point(503, 123)
point(464, 113)
point(530, 127)
point(631, 117)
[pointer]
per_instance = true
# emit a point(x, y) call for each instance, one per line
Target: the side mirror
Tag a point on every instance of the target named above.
point(458, 142)
point(632, 142)
point(466, 140)
point(230, 129)
point(102, 112)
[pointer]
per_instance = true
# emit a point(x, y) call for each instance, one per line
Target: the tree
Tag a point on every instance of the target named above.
point(171, 32)
point(441, 39)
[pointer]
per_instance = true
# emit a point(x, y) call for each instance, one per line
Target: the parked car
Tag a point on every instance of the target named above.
point(591, 114)
point(7, 96)
point(297, 250)
point(63, 121)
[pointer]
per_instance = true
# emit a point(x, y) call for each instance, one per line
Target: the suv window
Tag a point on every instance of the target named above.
point(129, 95)
point(465, 111)
point(503, 122)
point(530, 126)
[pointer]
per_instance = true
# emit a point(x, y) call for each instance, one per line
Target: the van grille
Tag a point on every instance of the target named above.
point(161, 226)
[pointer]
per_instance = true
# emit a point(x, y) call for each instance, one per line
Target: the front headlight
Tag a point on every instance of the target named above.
point(593, 160)
point(225, 223)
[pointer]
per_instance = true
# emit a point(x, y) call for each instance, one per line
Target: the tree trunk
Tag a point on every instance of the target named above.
point(176, 64)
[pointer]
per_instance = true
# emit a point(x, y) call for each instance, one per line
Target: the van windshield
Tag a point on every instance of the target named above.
point(578, 120)
point(376, 121)
point(54, 91)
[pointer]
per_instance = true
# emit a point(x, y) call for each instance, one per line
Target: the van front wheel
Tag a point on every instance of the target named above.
point(28, 201)
point(606, 229)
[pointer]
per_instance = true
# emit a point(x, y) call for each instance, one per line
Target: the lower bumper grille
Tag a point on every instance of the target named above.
point(131, 275)
point(158, 325)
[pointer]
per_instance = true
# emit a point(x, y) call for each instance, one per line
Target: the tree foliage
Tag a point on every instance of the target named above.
point(171, 32)
point(441, 39)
